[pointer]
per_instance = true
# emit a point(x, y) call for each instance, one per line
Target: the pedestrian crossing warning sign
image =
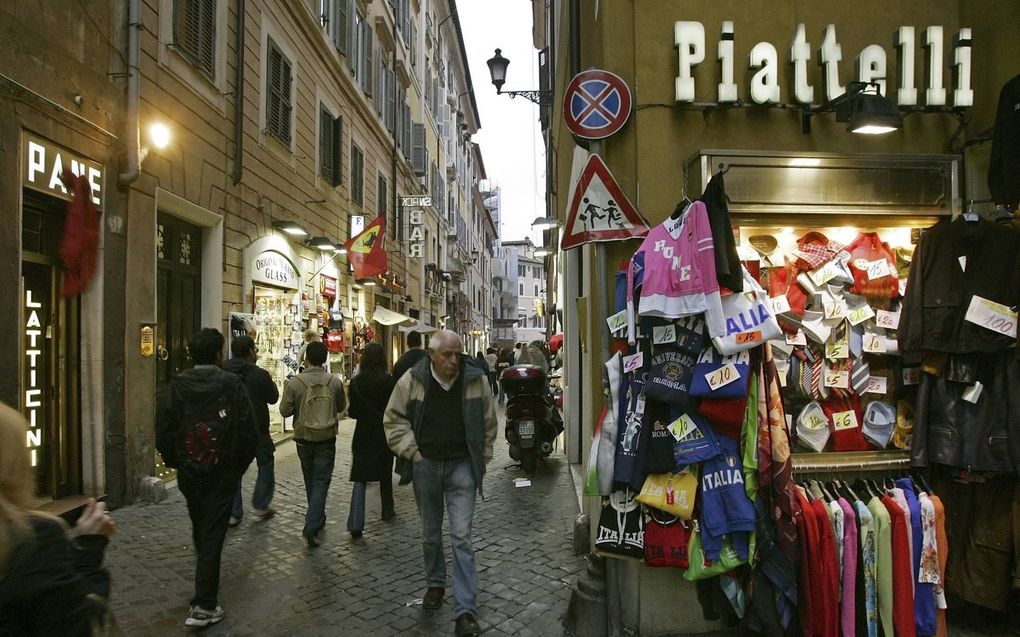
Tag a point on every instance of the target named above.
point(598, 209)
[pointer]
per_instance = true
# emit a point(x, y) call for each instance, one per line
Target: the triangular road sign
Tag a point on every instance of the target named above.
point(598, 210)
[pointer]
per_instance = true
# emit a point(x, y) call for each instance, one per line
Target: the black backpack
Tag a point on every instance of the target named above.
point(207, 436)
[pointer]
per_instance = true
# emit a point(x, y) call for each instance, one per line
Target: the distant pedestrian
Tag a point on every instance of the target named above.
point(206, 430)
point(491, 359)
point(517, 354)
point(372, 459)
point(263, 392)
point(310, 336)
point(503, 361)
point(442, 417)
point(482, 364)
point(315, 398)
point(413, 354)
point(46, 570)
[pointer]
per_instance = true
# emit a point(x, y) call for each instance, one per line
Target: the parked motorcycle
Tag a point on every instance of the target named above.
point(532, 420)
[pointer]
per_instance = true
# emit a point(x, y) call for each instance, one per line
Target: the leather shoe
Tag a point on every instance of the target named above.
point(433, 597)
point(466, 625)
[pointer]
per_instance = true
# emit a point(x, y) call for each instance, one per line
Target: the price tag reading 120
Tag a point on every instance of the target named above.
point(722, 376)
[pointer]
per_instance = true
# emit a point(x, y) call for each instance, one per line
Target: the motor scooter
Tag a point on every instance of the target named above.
point(532, 421)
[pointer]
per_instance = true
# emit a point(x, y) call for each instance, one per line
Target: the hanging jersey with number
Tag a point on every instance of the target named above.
point(679, 272)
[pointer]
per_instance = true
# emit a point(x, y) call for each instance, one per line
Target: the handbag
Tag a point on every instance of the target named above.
point(672, 493)
point(735, 379)
point(700, 567)
point(749, 319)
point(666, 540)
point(621, 526)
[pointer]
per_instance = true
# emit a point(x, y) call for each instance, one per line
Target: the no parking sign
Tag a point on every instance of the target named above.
point(596, 104)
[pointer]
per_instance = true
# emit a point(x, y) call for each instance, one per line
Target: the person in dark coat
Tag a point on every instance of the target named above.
point(373, 461)
point(413, 354)
point(263, 392)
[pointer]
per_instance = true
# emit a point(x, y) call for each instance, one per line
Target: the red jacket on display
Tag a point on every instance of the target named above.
point(903, 587)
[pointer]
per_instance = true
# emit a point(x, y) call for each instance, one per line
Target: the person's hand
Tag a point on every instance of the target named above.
point(95, 520)
point(416, 458)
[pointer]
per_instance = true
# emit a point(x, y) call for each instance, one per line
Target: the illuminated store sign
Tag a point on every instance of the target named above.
point(44, 163)
point(416, 234)
point(275, 269)
point(33, 388)
point(871, 65)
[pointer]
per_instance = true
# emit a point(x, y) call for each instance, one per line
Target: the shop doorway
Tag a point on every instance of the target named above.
point(178, 303)
point(50, 341)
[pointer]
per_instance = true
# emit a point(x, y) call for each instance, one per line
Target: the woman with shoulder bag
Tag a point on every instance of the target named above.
point(52, 581)
point(373, 461)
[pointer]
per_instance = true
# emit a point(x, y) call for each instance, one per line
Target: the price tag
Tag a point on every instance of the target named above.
point(838, 378)
point(722, 376)
point(682, 427)
point(860, 313)
point(796, 339)
point(837, 349)
point(874, 344)
point(779, 304)
point(748, 337)
point(824, 274)
point(639, 406)
point(617, 321)
point(844, 420)
point(877, 269)
point(632, 362)
point(664, 334)
point(911, 375)
point(963, 263)
point(888, 320)
point(814, 419)
point(877, 385)
point(903, 287)
point(834, 309)
point(991, 315)
point(972, 393)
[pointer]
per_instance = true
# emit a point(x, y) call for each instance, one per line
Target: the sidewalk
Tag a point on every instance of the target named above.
point(272, 584)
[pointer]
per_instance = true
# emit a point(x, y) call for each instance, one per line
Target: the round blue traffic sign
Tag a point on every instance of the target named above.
point(596, 105)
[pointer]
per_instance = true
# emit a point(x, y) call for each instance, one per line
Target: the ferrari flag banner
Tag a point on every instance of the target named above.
point(365, 251)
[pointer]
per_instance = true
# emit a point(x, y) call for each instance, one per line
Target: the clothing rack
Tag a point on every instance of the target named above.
point(850, 461)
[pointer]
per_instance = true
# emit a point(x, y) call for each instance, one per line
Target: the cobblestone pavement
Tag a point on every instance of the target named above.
point(272, 584)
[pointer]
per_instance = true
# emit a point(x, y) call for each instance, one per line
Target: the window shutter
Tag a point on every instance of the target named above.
point(391, 101)
point(357, 176)
point(341, 26)
point(381, 203)
point(337, 151)
point(353, 54)
point(285, 100)
point(273, 80)
point(207, 38)
point(366, 82)
point(407, 132)
point(325, 143)
point(413, 45)
point(380, 83)
point(418, 149)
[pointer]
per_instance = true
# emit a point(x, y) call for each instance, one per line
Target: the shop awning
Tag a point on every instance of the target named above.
point(389, 317)
point(421, 328)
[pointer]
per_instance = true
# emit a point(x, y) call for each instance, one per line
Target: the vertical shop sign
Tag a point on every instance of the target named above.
point(33, 388)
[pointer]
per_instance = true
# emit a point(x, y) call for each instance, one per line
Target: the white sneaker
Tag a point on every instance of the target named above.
point(199, 616)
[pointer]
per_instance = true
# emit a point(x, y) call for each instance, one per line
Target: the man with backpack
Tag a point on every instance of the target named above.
point(315, 398)
point(263, 392)
point(206, 430)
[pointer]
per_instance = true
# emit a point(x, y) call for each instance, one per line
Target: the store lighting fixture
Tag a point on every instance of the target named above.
point(159, 135)
point(323, 243)
point(545, 223)
point(369, 282)
point(340, 250)
point(863, 107)
point(291, 228)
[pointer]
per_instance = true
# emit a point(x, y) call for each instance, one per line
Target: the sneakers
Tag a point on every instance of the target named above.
point(199, 616)
point(433, 597)
point(466, 625)
point(233, 521)
point(263, 514)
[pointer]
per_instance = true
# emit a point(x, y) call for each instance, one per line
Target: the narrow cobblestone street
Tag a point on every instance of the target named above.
point(272, 584)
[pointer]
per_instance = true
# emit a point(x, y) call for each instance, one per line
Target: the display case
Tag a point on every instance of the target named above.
point(278, 336)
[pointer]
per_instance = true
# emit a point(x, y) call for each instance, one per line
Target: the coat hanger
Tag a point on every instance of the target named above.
point(919, 479)
point(680, 208)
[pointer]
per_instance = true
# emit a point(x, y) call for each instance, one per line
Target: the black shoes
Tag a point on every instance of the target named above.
point(466, 626)
point(433, 597)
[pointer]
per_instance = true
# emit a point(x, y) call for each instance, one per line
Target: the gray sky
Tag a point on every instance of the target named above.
point(511, 136)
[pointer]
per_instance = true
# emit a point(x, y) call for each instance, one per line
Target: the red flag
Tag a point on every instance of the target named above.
point(365, 251)
point(80, 245)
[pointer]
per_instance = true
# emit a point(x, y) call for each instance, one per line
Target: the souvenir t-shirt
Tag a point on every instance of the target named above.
point(725, 507)
point(669, 375)
point(628, 432)
point(621, 526)
point(656, 443)
point(695, 440)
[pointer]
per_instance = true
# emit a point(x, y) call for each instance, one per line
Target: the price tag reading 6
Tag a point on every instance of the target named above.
point(844, 420)
point(722, 376)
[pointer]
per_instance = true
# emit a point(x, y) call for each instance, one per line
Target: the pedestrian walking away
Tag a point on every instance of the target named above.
point(504, 361)
point(413, 354)
point(442, 417)
point(263, 392)
point(372, 459)
point(206, 430)
point(315, 398)
point(491, 359)
point(49, 575)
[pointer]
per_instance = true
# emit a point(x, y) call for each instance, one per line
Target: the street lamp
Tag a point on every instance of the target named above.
point(863, 107)
point(497, 71)
point(545, 223)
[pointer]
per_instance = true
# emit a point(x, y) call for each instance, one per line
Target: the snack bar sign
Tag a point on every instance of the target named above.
point(416, 224)
point(872, 65)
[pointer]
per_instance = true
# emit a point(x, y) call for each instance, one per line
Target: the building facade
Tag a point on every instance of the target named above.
point(313, 117)
point(531, 288)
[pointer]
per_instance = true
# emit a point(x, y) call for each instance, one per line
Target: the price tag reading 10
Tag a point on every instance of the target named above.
point(722, 376)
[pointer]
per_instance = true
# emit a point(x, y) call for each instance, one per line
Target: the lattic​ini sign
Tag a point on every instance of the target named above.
point(596, 104)
point(598, 209)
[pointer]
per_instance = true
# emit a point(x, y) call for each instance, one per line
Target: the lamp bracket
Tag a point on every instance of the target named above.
point(542, 98)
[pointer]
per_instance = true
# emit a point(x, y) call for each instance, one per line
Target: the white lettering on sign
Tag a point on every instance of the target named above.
point(45, 163)
point(33, 391)
point(422, 201)
point(275, 269)
point(416, 233)
point(872, 64)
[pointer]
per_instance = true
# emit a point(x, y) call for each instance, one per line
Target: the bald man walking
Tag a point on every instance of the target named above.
point(441, 416)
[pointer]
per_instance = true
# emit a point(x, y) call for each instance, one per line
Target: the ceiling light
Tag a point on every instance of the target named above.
point(369, 282)
point(323, 243)
point(291, 228)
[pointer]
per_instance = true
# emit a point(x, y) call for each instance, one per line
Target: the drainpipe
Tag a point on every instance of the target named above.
point(239, 93)
point(127, 178)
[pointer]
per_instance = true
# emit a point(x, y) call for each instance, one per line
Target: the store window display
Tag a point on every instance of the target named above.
point(278, 327)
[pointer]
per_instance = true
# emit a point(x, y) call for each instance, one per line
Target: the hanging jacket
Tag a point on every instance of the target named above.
point(727, 263)
point(1004, 165)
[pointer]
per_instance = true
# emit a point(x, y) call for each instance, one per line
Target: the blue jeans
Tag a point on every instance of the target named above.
point(317, 466)
point(356, 518)
point(448, 485)
point(265, 482)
